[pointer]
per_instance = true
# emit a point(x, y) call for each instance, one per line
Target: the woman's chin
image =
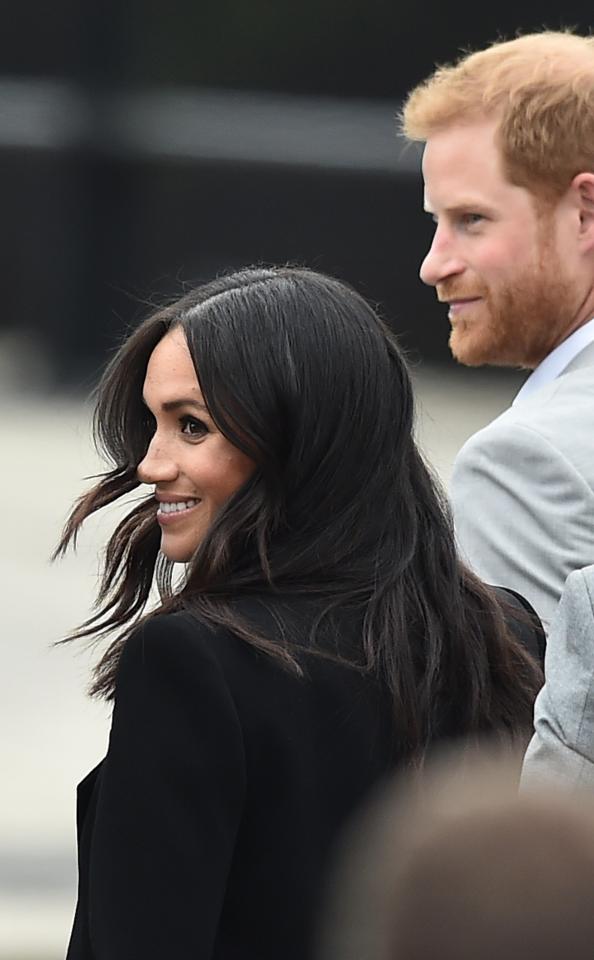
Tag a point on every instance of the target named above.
point(177, 553)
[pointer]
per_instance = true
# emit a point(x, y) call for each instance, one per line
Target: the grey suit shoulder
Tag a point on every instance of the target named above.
point(563, 744)
point(523, 489)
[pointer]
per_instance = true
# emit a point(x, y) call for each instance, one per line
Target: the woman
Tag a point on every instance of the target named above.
point(323, 633)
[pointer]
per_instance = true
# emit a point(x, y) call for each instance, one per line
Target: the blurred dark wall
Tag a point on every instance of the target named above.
point(370, 48)
point(92, 230)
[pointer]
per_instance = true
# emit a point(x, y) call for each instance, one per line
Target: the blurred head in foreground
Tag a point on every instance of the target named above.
point(459, 866)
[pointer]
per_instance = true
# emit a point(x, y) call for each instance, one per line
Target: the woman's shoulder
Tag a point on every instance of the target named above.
point(243, 641)
point(277, 617)
point(188, 633)
point(523, 621)
point(185, 667)
point(165, 643)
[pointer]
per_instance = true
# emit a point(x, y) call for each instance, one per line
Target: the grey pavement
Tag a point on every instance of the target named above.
point(52, 733)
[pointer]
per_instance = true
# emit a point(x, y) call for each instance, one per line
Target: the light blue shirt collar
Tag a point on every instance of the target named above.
point(556, 362)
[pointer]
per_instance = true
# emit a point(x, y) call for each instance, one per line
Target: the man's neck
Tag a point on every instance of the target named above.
point(558, 359)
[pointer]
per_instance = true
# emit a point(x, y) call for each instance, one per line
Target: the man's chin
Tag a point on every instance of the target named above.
point(470, 352)
point(473, 353)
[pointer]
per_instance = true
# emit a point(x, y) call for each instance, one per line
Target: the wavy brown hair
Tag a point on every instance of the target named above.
point(300, 373)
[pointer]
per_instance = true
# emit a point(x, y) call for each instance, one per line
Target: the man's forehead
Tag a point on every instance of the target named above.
point(462, 167)
point(461, 150)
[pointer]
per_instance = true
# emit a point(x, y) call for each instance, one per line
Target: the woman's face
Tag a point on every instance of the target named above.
point(193, 467)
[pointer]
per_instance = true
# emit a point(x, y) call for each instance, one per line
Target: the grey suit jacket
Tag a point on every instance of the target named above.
point(562, 747)
point(522, 490)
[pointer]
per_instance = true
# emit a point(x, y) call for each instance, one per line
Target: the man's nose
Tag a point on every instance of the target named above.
point(441, 262)
point(158, 465)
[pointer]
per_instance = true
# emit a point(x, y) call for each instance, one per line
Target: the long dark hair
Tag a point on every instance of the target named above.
point(300, 373)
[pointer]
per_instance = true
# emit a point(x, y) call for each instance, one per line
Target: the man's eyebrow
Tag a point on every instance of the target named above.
point(170, 405)
point(469, 205)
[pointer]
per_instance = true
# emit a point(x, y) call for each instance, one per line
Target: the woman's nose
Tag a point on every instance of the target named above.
point(157, 465)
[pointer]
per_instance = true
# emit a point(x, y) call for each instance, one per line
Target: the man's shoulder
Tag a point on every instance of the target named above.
point(561, 414)
point(578, 592)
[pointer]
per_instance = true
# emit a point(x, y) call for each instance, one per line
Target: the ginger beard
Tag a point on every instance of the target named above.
point(519, 321)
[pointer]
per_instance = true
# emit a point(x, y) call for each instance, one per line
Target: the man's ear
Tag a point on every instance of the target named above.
point(583, 187)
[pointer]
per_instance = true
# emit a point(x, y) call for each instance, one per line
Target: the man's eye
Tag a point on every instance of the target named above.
point(469, 219)
point(192, 427)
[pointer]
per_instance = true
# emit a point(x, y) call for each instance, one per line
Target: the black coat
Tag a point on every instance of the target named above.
point(206, 830)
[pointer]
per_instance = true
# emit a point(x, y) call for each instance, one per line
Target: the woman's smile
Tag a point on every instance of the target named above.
point(169, 511)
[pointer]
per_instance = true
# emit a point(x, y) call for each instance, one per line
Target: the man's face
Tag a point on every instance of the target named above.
point(494, 257)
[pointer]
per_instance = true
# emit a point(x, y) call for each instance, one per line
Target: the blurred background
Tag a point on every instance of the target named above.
point(145, 146)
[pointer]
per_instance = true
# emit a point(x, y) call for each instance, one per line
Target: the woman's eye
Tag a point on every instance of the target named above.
point(192, 427)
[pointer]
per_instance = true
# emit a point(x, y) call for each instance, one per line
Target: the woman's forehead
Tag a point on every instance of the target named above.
point(170, 371)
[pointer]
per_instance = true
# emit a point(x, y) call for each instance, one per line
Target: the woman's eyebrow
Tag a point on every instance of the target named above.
point(169, 405)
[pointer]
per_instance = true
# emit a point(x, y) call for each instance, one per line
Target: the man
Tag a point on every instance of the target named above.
point(562, 747)
point(509, 180)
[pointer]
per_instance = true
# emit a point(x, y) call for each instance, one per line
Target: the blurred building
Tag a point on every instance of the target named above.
point(145, 145)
